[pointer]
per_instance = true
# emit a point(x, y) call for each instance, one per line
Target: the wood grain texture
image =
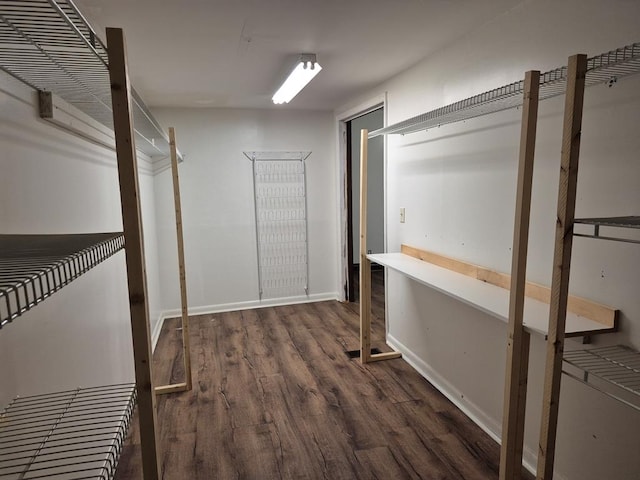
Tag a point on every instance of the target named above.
point(574, 99)
point(515, 390)
point(134, 248)
point(365, 264)
point(580, 306)
point(276, 396)
point(184, 304)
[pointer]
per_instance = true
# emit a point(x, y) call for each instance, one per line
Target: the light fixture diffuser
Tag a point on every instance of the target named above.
point(303, 73)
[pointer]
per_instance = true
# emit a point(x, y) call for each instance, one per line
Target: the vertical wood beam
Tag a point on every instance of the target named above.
point(365, 263)
point(576, 74)
point(186, 350)
point(134, 249)
point(515, 391)
point(186, 342)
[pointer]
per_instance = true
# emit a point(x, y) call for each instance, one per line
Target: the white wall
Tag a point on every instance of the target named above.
point(375, 183)
point(216, 186)
point(54, 182)
point(457, 183)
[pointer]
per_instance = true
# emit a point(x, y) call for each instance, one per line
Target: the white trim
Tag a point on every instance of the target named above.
point(341, 213)
point(158, 164)
point(362, 108)
point(487, 424)
point(231, 307)
point(155, 334)
point(447, 389)
point(385, 209)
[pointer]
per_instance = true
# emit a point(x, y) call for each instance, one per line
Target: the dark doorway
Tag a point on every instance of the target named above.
point(375, 174)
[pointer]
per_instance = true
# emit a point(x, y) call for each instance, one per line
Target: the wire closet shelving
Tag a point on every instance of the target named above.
point(78, 434)
point(610, 222)
point(33, 267)
point(48, 45)
point(605, 367)
point(71, 435)
point(606, 68)
point(614, 368)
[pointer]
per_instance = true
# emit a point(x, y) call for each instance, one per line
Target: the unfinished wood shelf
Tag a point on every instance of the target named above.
point(76, 434)
point(33, 267)
point(484, 296)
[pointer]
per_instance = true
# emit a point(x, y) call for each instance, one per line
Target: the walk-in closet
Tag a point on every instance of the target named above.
point(189, 283)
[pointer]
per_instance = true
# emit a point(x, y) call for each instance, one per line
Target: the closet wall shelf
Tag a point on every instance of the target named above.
point(33, 267)
point(609, 222)
point(66, 435)
point(49, 45)
point(606, 68)
point(613, 370)
point(485, 296)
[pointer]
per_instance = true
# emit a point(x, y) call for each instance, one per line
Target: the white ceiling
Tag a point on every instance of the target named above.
point(234, 53)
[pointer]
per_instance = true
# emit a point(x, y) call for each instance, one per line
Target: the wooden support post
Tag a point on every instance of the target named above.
point(134, 250)
point(186, 350)
point(365, 263)
point(365, 266)
point(576, 73)
point(515, 391)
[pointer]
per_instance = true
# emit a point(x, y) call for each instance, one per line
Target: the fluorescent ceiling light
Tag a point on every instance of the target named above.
point(304, 71)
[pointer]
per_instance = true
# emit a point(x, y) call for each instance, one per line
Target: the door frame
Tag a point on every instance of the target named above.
point(346, 257)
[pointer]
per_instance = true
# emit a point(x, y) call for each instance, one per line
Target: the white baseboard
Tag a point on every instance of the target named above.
point(487, 424)
point(231, 307)
point(447, 389)
point(155, 334)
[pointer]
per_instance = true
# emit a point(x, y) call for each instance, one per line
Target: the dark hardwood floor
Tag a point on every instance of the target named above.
point(276, 397)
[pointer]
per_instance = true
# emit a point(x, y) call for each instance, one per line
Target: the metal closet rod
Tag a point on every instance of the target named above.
point(50, 46)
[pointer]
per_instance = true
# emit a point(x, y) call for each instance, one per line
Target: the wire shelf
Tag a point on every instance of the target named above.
point(50, 46)
point(279, 187)
point(612, 222)
point(613, 370)
point(605, 68)
point(33, 267)
point(70, 435)
point(623, 222)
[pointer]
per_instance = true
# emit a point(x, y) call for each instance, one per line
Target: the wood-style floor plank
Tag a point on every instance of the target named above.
point(276, 397)
point(380, 463)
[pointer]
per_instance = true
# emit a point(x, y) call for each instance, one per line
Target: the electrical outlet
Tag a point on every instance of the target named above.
point(402, 215)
